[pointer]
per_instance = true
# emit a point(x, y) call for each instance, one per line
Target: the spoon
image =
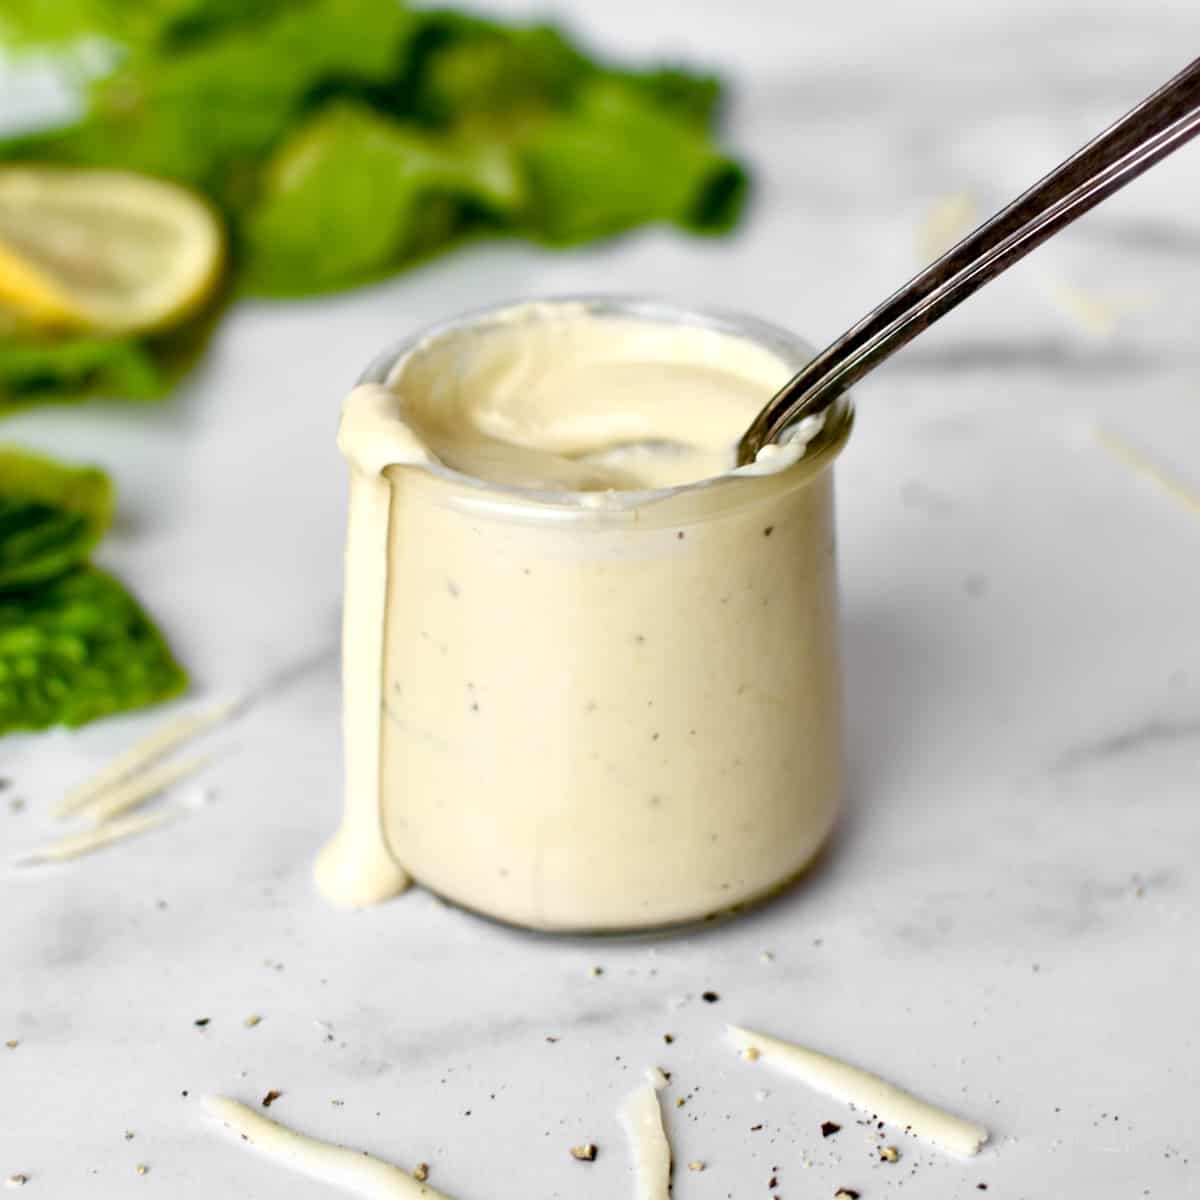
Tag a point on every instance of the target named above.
point(1158, 126)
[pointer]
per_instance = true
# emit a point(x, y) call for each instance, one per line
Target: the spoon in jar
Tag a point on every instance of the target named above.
point(1158, 126)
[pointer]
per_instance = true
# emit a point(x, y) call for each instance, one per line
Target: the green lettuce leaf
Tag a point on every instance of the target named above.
point(400, 190)
point(139, 27)
point(51, 516)
point(78, 648)
point(683, 94)
point(464, 70)
point(33, 370)
point(36, 369)
point(204, 115)
point(344, 139)
point(617, 160)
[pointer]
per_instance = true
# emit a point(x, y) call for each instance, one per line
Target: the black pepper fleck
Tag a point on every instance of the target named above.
point(668, 1038)
point(680, 535)
point(271, 1097)
point(709, 997)
point(200, 1022)
point(829, 1128)
point(770, 529)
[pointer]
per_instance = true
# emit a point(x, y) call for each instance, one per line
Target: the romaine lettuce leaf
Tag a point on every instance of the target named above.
point(33, 370)
point(78, 648)
point(617, 160)
point(138, 27)
point(51, 516)
point(204, 115)
point(465, 70)
point(345, 138)
point(353, 193)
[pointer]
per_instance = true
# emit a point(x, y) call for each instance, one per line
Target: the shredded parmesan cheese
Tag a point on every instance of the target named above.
point(867, 1092)
point(656, 1078)
point(136, 791)
point(150, 749)
point(948, 221)
point(1096, 313)
point(339, 1166)
point(1136, 460)
point(648, 1140)
point(78, 844)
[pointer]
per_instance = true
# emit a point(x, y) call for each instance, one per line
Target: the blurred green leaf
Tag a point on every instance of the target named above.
point(78, 648)
point(353, 193)
point(205, 115)
point(33, 370)
point(345, 138)
point(466, 70)
point(139, 26)
point(74, 645)
point(617, 160)
point(683, 94)
point(51, 516)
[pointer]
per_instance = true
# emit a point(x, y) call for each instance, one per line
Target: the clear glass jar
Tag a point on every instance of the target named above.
point(592, 718)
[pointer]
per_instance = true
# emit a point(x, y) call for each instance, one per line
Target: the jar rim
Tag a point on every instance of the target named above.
point(793, 351)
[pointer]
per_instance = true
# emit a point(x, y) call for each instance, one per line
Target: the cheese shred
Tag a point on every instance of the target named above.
point(648, 1140)
point(136, 791)
point(339, 1166)
point(866, 1092)
point(76, 845)
point(155, 745)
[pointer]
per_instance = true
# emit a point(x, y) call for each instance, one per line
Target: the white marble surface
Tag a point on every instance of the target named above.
point(1006, 921)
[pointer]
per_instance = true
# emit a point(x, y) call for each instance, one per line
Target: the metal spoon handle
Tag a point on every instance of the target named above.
point(1155, 128)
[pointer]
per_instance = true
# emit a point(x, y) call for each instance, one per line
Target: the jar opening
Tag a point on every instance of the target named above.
point(596, 402)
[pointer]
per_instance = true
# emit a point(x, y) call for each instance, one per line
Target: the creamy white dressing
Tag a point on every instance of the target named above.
point(357, 867)
point(341, 1167)
point(550, 397)
point(864, 1091)
point(583, 704)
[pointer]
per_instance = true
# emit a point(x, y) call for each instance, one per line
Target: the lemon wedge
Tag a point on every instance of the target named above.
point(104, 251)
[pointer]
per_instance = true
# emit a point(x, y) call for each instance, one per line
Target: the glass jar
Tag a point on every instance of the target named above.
point(588, 717)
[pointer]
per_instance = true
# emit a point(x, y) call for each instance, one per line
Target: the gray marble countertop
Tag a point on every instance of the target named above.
point(1006, 920)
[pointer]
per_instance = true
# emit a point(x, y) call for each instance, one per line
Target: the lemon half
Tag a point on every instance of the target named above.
point(105, 251)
